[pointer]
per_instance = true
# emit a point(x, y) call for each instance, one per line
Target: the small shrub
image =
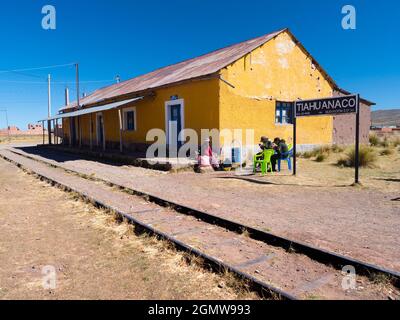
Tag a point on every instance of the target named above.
point(337, 149)
point(321, 149)
point(373, 140)
point(342, 162)
point(384, 143)
point(396, 142)
point(367, 157)
point(321, 157)
point(386, 152)
point(307, 155)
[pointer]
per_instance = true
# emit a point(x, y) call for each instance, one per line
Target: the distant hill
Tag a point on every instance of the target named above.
point(386, 118)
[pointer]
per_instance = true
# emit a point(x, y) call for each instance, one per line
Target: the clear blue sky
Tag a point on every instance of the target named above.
point(134, 37)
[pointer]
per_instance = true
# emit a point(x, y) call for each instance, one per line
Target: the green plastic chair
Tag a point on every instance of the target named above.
point(265, 161)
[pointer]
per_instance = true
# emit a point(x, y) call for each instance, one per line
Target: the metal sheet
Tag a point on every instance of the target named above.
point(92, 110)
point(189, 69)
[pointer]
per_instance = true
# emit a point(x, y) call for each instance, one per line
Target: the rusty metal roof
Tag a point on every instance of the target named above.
point(365, 101)
point(189, 69)
point(82, 112)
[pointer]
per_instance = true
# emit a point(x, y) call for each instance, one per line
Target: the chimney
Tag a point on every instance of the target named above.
point(66, 96)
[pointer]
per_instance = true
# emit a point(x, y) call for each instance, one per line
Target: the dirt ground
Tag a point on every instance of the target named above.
point(94, 257)
point(22, 139)
point(319, 206)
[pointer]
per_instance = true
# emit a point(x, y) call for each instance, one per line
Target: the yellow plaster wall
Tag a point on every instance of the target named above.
point(200, 112)
point(279, 70)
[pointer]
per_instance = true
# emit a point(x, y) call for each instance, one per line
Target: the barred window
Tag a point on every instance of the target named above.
point(284, 112)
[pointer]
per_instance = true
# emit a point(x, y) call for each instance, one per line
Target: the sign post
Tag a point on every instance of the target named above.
point(357, 146)
point(294, 139)
point(326, 107)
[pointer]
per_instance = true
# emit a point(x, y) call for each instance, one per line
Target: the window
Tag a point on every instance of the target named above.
point(284, 112)
point(130, 119)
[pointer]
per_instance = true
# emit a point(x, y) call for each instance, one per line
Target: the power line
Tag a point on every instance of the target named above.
point(55, 82)
point(38, 68)
point(27, 74)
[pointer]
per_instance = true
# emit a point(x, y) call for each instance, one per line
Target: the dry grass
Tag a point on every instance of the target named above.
point(322, 153)
point(386, 152)
point(245, 233)
point(23, 138)
point(385, 142)
point(373, 140)
point(396, 142)
point(367, 157)
point(382, 279)
point(164, 249)
point(325, 149)
point(337, 149)
point(321, 157)
point(307, 155)
point(81, 240)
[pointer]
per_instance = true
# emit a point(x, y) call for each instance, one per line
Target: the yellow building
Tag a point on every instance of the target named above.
point(249, 85)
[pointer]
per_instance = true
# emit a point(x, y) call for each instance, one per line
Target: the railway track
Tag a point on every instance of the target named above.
point(251, 256)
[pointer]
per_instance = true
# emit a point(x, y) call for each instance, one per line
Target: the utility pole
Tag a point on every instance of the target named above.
point(49, 106)
point(77, 85)
point(78, 102)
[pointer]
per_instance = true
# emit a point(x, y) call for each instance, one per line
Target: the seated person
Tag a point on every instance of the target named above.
point(206, 155)
point(265, 144)
point(281, 151)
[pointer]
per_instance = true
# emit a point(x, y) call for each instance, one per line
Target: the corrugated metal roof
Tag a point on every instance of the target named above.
point(92, 110)
point(189, 69)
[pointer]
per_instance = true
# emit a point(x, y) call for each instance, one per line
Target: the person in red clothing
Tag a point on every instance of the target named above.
point(206, 157)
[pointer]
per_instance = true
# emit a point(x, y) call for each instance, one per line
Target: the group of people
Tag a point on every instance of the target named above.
point(206, 156)
point(278, 145)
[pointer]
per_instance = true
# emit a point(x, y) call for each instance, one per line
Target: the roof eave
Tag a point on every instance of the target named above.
point(365, 101)
point(147, 92)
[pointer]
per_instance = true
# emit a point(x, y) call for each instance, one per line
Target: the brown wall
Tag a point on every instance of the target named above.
point(344, 126)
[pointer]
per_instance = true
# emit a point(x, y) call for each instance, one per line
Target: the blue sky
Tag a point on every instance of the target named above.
point(129, 38)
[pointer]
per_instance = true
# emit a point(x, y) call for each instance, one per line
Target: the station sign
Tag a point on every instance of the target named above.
point(327, 106)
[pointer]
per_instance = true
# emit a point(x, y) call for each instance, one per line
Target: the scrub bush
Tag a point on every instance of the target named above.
point(367, 157)
point(373, 140)
point(307, 155)
point(396, 142)
point(321, 157)
point(386, 152)
point(337, 149)
point(384, 143)
point(321, 150)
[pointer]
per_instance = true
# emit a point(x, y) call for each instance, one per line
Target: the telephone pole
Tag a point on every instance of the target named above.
point(77, 85)
point(49, 106)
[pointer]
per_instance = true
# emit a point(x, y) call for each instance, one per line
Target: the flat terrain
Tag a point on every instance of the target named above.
point(319, 206)
point(21, 139)
point(94, 256)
